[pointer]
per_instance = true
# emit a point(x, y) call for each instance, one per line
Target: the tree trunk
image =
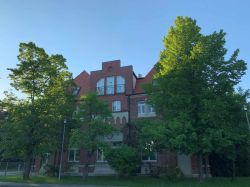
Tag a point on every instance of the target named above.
point(85, 171)
point(207, 166)
point(27, 167)
point(233, 170)
point(200, 167)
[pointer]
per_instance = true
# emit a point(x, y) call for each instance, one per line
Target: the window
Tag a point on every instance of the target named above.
point(74, 155)
point(116, 144)
point(116, 106)
point(149, 157)
point(120, 84)
point(145, 110)
point(46, 158)
point(110, 85)
point(151, 109)
point(141, 108)
point(100, 156)
point(75, 90)
point(100, 87)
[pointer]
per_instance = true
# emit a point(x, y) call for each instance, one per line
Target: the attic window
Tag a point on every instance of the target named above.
point(100, 87)
point(120, 87)
point(75, 90)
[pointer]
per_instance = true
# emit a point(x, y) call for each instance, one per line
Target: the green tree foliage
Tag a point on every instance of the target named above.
point(124, 159)
point(34, 123)
point(93, 116)
point(221, 165)
point(150, 140)
point(193, 92)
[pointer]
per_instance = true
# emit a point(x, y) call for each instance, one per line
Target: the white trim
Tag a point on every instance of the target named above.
point(148, 160)
point(75, 150)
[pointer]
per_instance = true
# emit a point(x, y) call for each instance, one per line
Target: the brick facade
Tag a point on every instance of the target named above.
point(132, 95)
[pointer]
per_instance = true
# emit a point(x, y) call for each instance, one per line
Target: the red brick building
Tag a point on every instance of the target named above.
point(123, 90)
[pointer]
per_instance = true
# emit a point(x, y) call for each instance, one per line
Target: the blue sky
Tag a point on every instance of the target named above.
point(88, 32)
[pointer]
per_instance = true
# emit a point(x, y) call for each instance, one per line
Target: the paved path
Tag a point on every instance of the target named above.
point(11, 184)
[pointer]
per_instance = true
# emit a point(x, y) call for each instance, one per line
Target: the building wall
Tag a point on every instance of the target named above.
point(133, 94)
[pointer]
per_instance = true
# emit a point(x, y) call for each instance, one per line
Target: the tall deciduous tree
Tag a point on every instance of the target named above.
point(34, 123)
point(194, 91)
point(94, 117)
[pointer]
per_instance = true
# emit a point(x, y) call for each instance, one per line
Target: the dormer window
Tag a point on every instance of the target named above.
point(100, 87)
point(75, 90)
point(120, 84)
point(110, 85)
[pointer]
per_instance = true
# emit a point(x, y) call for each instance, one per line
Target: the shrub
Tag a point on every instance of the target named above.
point(170, 173)
point(51, 170)
point(173, 173)
point(124, 160)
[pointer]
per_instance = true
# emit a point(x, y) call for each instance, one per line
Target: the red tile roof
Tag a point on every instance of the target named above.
point(145, 80)
point(83, 81)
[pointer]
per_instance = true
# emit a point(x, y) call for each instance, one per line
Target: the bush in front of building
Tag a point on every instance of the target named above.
point(170, 173)
point(51, 170)
point(124, 159)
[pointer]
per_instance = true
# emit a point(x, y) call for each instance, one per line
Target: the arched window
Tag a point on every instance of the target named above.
point(112, 121)
point(118, 121)
point(100, 87)
point(124, 120)
point(120, 84)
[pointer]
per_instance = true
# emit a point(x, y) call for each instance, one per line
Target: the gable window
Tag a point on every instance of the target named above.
point(110, 85)
point(75, 90)
point(120, 85)
point(100, 87)
point(74, 155)
point(116, 106)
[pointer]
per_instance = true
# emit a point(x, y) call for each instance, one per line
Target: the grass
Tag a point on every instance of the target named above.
point(133, 181)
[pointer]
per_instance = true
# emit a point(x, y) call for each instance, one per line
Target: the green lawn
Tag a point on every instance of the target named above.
point(136, 181)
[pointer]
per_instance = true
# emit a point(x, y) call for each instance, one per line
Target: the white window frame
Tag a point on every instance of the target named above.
point(141, 106)
point(145, 110)
point(100, 87)
point(75, 90)
point(120, 84)
point(110, 88)
point(75, 153)
point(149, 158)
point(116, 106)
point(150, 109)
point(98, 152)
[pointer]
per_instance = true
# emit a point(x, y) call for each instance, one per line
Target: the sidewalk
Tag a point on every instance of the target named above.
point(12, 184)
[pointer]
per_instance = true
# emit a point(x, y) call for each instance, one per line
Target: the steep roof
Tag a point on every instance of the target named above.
point(145, 80)
point(83, 81)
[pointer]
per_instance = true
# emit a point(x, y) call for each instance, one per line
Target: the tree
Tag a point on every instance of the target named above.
point(193, 91)
point(93, 116)
point(150, 140)
point(34, 122)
